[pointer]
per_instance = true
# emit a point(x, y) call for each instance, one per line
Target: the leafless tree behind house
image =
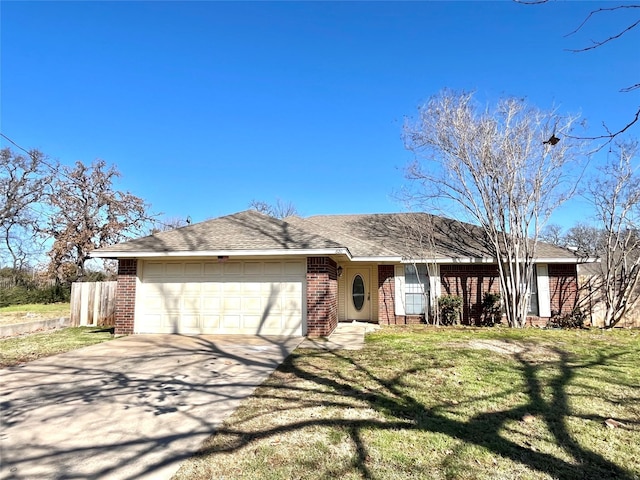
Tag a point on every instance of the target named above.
point(88, 212)
point(24, 180)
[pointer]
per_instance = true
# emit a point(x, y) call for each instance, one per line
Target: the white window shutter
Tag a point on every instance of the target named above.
point(434, 283)
point(544, 296)
point(399, 284)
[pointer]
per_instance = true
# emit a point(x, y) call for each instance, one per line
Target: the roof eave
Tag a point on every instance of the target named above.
point(380, 258)
point(221, 253)
point(448, 260)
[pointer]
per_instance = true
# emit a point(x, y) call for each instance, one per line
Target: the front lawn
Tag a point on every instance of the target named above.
point(30, 347)
point(430, 403)
point(33, 312)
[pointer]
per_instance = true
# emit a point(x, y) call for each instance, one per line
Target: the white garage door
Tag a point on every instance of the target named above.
point(247, 297)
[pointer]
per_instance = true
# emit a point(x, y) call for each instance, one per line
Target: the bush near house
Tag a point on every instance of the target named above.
point(450, 308)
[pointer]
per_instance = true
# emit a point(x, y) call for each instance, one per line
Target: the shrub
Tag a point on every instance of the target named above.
point(450, 307)
point(22, 295)
point(491, 308)
point(575, 319)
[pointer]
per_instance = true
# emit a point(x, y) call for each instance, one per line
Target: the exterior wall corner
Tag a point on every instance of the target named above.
point(126, 295)
point(322, 296)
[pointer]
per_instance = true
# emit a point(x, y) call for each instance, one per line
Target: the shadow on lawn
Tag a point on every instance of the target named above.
point(484, 430)
point(201, 381)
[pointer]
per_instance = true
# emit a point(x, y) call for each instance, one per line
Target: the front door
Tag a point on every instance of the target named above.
point(358, 293)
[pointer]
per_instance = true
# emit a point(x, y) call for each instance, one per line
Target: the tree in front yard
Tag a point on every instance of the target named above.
point(505, 168)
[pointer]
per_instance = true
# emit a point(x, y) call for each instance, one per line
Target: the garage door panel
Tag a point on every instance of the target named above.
point(251, 304)
point(213, 269)
point(231, 322)
point(210, 323)
point(211, 303)
point(152, 302)
point(231, 288)
point(172, 303)
point(211, 288)
point(252, 288)
point(189, 321)
point(273, 268)
point(171, 322)
point(174, 270)
point(272, 321)
point(251, 322)
point(221, 297)
point(154, 269)
point(193, 269)
point(169, 288)
point(297, 268)
point(193, 288)
point(232, 268)
point(149, 323)
point(232, 304)
point(253, 268)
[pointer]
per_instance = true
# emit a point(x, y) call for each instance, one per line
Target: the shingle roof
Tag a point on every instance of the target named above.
point(415, 235)
point(392, 235)
point(248, 230)
point(409, 235)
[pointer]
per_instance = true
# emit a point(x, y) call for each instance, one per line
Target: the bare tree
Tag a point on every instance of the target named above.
point(616, 197)
point(506, 169)
point(23, 182)
point(89, 213)
point(586, 239)
point(280, 209)
point(169, 223)
point(629, 15)
point(553, 234)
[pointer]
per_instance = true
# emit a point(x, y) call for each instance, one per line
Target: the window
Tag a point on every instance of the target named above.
point(357, 292)
point(416, 281)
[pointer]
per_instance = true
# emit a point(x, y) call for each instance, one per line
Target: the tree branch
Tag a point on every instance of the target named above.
point(606, 40)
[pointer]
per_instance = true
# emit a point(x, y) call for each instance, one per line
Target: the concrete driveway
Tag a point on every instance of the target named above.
point(129, 408)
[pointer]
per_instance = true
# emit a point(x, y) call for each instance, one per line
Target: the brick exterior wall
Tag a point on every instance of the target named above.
point(563, 287)
point(386, 295)
point(322, 296)
point(386, 300)
point(126, 296)
point(469, 282)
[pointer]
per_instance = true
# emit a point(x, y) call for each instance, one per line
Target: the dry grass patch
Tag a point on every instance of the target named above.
point(16, 350)
point(421, 403)
point(32, 313)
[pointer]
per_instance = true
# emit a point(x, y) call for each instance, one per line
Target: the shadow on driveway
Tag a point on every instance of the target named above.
point(134, 407)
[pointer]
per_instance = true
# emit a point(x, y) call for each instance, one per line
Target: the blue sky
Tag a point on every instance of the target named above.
point(204, 106)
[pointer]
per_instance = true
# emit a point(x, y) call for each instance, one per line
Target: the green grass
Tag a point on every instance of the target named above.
point(33, 312)
point(61, 309)
point(17, 350)
point(426, 403)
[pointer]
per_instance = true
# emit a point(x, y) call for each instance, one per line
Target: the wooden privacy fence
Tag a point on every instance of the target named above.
point(93, 303)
